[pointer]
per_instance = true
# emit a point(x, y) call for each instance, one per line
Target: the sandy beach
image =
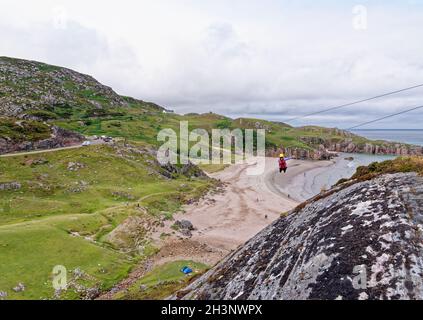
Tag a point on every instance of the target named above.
point(226, 220)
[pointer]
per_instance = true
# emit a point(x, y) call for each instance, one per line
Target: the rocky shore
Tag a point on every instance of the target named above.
point(327, 149)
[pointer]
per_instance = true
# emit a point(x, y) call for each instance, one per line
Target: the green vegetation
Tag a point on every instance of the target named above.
point(43, 114)
point(401, 164)
point(23, 130)
point(163, 281)
point(48, 68)
point(145, 127)
point(50, 92)
point(375, 169)
point(91, 209)
point(87, 209)
point(30, 251)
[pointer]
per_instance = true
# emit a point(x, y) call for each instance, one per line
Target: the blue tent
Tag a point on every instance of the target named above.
point(186, 270)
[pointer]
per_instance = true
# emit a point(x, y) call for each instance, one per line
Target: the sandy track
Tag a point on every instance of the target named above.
point(35, 152)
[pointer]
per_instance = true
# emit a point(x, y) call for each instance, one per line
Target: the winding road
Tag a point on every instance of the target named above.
point(28, 153)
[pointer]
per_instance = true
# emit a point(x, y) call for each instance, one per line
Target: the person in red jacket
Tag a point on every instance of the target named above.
point(283, 166)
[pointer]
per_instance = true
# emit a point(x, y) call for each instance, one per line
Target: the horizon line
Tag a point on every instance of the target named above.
point(390, 129)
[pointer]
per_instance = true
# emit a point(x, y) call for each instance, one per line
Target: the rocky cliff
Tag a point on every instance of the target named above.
point(361, 240)
point(381, 148)
point(335, 140)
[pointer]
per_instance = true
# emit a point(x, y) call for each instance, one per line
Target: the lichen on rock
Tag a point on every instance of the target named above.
point(362, 242)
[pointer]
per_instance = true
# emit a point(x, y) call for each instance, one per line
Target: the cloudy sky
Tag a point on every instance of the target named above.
point(268, 59)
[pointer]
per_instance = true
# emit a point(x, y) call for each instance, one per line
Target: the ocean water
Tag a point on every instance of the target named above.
point(314, 181)
point(344, 166)
point(411, 136)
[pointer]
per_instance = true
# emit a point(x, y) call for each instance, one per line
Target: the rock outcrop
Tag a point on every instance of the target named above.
point(323, 143)
point(382, 148)
point(10, 186)
point(189, 170)
point(327, 149)
point(358, 241)
point(321, 153)
point(26, 87)
point(59, 138)
point(38, 91)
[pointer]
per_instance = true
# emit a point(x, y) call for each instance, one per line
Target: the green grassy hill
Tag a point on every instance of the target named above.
point(86, 209)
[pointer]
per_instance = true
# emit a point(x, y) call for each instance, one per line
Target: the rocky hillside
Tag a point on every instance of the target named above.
point(34, 90)
point(324, 142)
point(361, 240)
point(34, 95)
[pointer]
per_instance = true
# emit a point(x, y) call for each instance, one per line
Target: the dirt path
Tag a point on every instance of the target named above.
point(8, 155)
point(29, 153)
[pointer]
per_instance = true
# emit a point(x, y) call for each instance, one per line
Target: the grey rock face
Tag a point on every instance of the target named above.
point(19, 288)
point(185, 227)
point(389, 148)
point(184, 224)
point(188, 170)
point(10, 186)
point(361, 242)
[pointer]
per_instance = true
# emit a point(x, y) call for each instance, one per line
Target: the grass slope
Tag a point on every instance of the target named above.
point(68, 210)
point(163, 281)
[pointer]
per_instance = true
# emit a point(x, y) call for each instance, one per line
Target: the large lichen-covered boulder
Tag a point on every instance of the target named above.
point(359, 241)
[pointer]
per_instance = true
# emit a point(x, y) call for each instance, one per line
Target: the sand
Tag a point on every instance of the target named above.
point(223, 221)
point(227, 220)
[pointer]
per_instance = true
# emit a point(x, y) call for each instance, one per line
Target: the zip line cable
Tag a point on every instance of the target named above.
point(354, 103)
point(385, 117)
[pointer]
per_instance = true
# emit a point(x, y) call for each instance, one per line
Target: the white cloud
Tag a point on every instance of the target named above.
point(273, 59)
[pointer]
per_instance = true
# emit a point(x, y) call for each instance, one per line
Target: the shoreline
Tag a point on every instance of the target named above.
point(224, 221)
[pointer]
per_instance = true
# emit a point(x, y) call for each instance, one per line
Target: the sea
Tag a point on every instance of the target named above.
point(410, 136)
point(312, 182)
point(344, 166)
